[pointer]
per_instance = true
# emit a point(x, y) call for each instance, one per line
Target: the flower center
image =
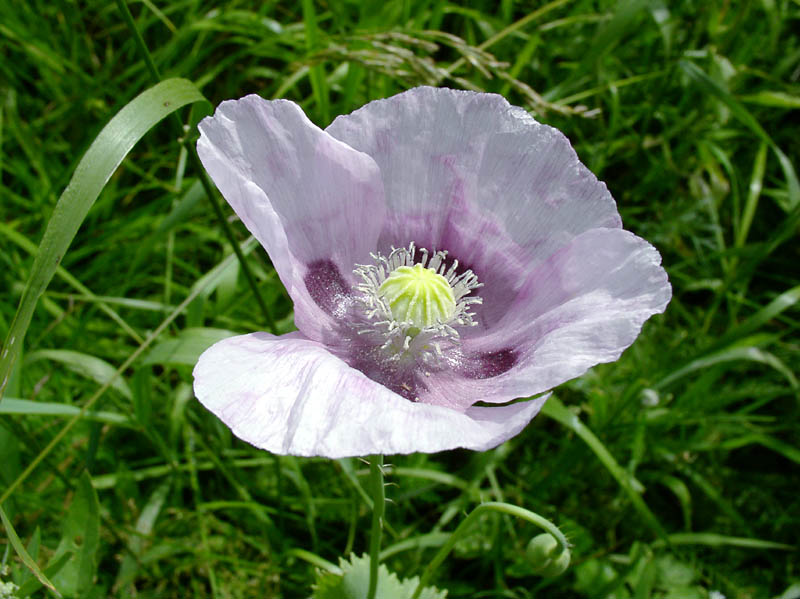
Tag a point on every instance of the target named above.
point(418, 295)
point(414, 302)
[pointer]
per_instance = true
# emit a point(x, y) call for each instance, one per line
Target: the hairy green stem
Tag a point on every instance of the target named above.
point(198, 166)
point(378, 502)
point(495, 506)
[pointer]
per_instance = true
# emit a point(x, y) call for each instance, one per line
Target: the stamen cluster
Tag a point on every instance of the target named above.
point(401, 337)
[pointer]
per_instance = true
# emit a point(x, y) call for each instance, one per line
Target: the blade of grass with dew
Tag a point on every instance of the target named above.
point(754, 192)
point(92, 173)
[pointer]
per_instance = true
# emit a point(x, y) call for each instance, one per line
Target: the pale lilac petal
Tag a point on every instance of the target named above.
point(290, 395)
point(469, 173)
point(583, 306)
point(315, 204)
point(564, 288)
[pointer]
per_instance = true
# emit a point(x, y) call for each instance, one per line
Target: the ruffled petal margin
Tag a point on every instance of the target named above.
point(439, 149)
point(314, 203)
point(583, 306)
point(468, 173)
point(291, 396)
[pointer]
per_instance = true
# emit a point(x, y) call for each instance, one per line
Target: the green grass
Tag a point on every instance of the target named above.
point(683, 475)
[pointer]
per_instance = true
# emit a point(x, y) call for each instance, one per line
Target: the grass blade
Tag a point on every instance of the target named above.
point(711, 539)
point(756, 184)
point(87, 405)
point(90, 367)
point(30, 247)
point(81, 538)
point(23, 554)
point(27, 407)
point(93, 172)
point(186, 347)
point(556, 410)
point(732, 354)
point(144, 528)
point(711, 87)
point(319, 84)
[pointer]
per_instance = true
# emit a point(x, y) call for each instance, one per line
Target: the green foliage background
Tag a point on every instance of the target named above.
point(684, 478)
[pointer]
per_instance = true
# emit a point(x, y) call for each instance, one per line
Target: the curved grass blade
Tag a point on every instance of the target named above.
point(80, 537)
point(554, 409)
point(708, 85)
point(23, 554)
point(747, 353)
point(94, 170)
point(85, 365)
point(185, 348)
point(27, 407)
point(790, 452)
point(316, 560)
point(682, 494)
point(144, 529)
point(711, 539)
point(87, 405)
point(424, 541)
point(775, 308)
point(30, 247)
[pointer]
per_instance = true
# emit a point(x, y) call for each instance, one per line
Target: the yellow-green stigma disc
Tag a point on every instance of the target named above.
point(418, 295)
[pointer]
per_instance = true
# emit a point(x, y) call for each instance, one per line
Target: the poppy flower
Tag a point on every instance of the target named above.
point(446, 254)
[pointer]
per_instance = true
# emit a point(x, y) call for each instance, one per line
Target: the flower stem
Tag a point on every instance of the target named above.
point(495, 506)
point(204, 181)
point(378, 501)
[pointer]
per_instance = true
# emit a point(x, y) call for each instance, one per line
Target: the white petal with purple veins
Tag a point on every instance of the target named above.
point(437, 148)
point(314, 203)
point(583, 306)
point(469, 173)
point(290, 395)
point(555, 285)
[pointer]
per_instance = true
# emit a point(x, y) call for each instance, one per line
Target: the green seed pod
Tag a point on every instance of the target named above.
point(545, 557)
point(418, 295)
